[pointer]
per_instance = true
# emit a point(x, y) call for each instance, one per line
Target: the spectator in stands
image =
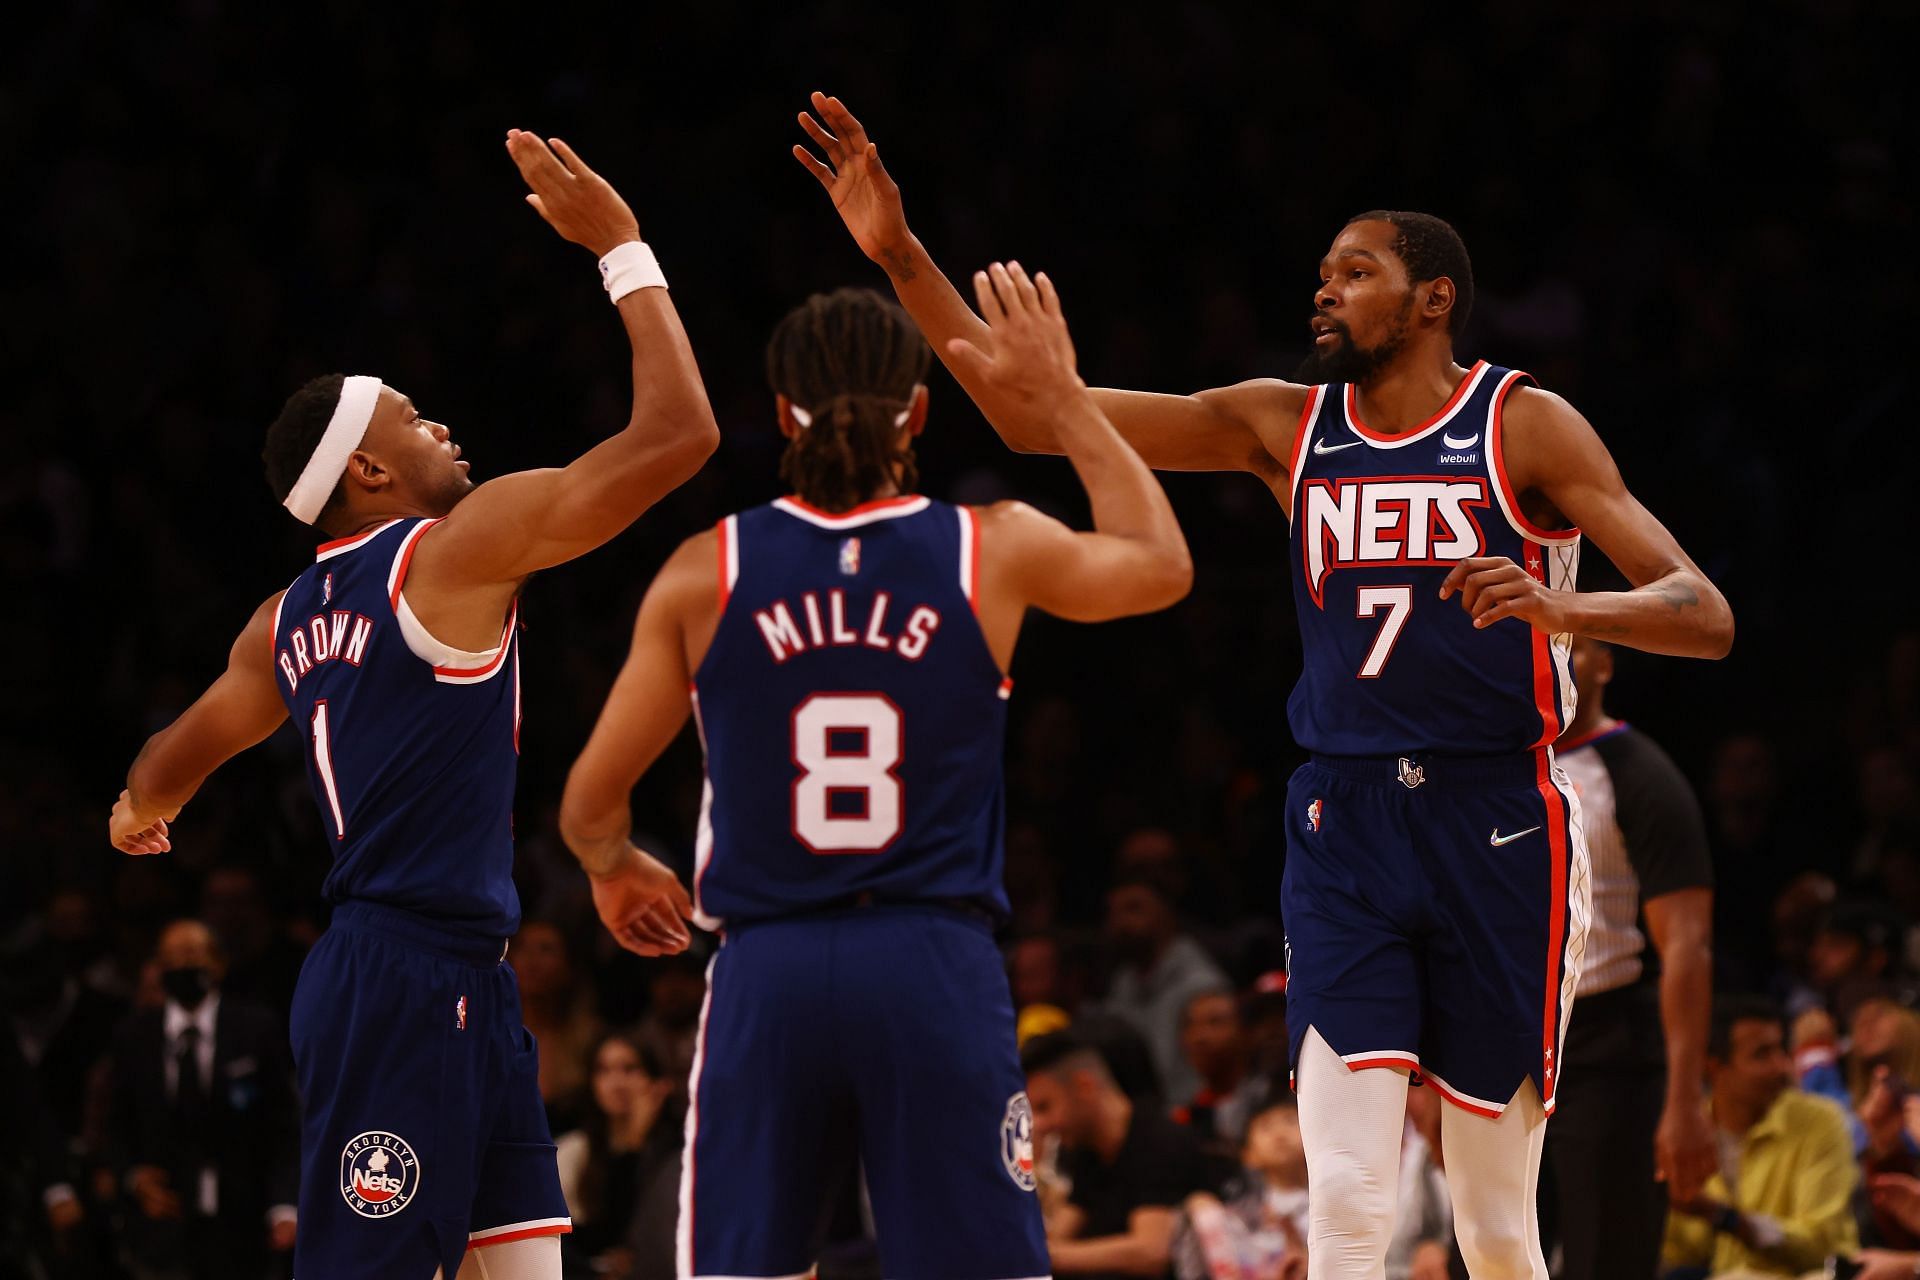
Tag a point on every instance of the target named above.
point(1628, 1114)
point(1129, 1167)
point(263, 963)
point(202, 1132)
point(1213, 1036)
point(1160, 970)
point(676, 988)
point(1797, 913)
point(1033, 970)
point(621, 1169)
point(1855, 954)
point(40, 1207)
point(556, 1004)
point(61, 1026)
point(1422, 1247)
point(1779, 1204)
point(1256, 1228)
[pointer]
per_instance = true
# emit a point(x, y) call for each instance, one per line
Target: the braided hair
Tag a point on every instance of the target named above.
point(851, 360)
point(1431, 248)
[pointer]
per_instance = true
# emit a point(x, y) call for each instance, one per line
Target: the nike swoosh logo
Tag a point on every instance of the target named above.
point(1468, 443)
point(1321, 445)
point(1498, 839)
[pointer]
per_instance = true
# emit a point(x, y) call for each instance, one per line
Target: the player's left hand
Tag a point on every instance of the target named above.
point(134, 832)
point(1494, 587)
point(577, 202)
point(643, 905)
point(1684, 1154)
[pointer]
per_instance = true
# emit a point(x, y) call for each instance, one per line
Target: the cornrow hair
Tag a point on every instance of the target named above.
point(851, 359)
point(1431, 248)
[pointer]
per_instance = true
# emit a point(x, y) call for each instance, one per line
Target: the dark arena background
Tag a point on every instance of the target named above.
point(1696, 222)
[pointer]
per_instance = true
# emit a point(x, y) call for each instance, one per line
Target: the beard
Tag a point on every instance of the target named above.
point(1346, 362)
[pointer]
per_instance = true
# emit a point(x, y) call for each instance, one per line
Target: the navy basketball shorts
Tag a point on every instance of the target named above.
point(1436, 913)
point(876, 1038)
point(422, 1131)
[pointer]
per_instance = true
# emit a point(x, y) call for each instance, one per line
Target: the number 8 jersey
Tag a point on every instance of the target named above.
point(1378, 522)
point(851, 714)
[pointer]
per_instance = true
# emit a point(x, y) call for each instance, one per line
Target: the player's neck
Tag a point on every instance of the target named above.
point(1409, 392)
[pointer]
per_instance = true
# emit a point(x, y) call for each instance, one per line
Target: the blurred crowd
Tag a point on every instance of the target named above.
point(1695, 224)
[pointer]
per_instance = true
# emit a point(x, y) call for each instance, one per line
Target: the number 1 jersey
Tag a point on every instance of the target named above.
point(1388, 668)
point(852, 715)
point(412, 746)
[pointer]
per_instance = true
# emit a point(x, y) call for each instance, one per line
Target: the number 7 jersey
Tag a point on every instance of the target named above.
point(851, 713)
point(1378, 522)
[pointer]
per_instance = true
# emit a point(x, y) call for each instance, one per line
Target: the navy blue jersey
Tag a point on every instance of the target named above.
point(412, 746)
point(1378, 521)
point(851, 713)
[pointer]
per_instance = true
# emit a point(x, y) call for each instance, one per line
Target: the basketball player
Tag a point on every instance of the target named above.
point(1435, 893)
point(844, 650)
point(397, 656)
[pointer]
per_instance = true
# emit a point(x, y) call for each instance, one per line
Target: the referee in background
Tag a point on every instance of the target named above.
point(1630, 1128)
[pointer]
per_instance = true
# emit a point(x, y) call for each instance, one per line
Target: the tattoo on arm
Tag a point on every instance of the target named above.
point(899, 266)
point(1678, 594)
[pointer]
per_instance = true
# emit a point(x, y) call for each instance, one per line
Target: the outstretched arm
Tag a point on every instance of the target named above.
point(1553, 451)
point(1246, 427)
point(238, 710)
point(1136, 559)
point(640, 901)
point(517, 524)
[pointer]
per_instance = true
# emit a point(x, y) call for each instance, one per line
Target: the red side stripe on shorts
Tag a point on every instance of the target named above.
point(1557, 823)
point(558, 1229)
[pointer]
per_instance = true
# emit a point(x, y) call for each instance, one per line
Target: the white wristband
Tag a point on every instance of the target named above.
point(628, 267)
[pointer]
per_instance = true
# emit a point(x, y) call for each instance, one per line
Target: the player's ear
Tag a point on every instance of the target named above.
point(783, 415)
point(1439, 299)
point(917, 411)
point(367, 471)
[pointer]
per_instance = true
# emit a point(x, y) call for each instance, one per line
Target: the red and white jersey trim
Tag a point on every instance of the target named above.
point(703, 832)
point(865, 513)
point(519, 1231)
point(450, 665)
point(1381, 1058)
point(1502, 487)
point(969, 555)
point(340, 546)
point(1382, 440)
point(1308, 416)
point(729, 534)
point(1465, 1101)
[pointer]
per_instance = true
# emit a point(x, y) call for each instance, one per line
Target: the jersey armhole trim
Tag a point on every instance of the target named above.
point(273, 637)
point(728, 533)
point(450, 665)
point(1502, 486)
point(1308, 412)
point(969, 557)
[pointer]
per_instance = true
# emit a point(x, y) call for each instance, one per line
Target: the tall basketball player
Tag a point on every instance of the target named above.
point(1435, 893)
point(844, 650)
point(397, 656)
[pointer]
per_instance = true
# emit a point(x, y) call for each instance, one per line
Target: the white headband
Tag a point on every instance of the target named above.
point(318, 479)
point(805, 417)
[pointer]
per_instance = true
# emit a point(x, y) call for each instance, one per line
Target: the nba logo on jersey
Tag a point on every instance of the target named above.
point(460, 1014)
point(378, 1174)
point(1313, 815)
point(1016, 1141)
point(326, 590)
point(850, 556)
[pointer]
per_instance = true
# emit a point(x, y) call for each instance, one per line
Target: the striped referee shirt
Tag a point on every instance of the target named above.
point(1646, 837)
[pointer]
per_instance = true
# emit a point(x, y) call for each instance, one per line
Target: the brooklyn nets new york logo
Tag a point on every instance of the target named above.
point(1016, 1141)
point(379, 1174)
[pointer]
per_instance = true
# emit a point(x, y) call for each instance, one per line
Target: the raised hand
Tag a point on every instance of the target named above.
point(1031, 361)
point(136, 833)
point(1493, 587)
point(867, 200)
point(575, 201)
point(642, 904)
